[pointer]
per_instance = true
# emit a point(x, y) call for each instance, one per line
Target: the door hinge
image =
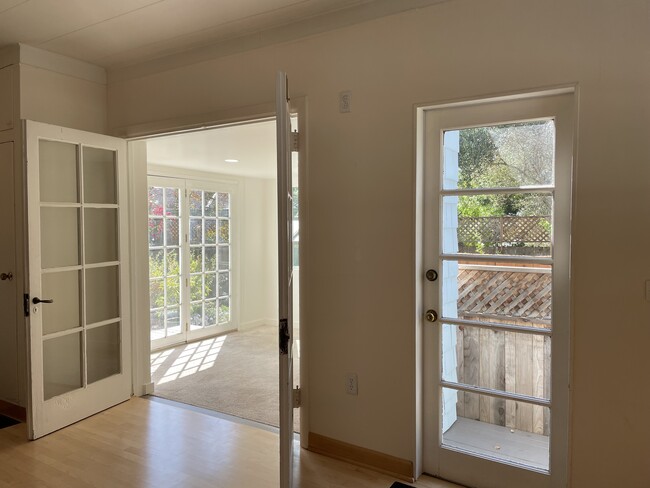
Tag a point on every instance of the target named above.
point(26, 304)
point(297, 397)
point(295, 138)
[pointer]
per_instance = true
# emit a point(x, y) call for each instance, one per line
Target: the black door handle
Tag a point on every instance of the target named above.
point(37, 300)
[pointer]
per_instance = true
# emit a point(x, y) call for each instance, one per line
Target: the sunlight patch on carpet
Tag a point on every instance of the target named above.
point(194, 357)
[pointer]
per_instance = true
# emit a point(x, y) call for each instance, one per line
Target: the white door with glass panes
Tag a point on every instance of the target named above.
point(190, 260)
point(78, 289)
point(497, 193)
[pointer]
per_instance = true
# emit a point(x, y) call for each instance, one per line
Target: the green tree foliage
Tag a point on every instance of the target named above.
point(510, 155)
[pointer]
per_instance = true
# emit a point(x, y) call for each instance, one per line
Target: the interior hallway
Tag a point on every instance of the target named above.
point(143, 443)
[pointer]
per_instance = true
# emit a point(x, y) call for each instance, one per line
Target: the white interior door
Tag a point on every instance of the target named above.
point(497, 187)
point(285, 277)
point(78, 296)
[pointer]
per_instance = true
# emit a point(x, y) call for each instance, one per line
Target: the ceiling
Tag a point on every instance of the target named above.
point(253, 145)
point(113, 33)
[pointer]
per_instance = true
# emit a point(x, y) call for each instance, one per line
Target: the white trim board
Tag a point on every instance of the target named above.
point(58, 63)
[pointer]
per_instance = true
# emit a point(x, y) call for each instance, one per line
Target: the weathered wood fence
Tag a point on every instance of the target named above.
point(507, 361)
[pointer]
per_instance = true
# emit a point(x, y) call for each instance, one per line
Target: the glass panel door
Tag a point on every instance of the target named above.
point(165, 260)
point(497, 199)
point(190, 260)
point(79, 337)
point(210, 251)
point(496, 231)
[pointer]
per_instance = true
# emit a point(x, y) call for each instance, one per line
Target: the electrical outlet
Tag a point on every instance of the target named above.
point(351, 385)
point(345, 101)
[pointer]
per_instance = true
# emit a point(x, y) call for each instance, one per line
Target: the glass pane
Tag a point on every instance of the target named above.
point(196, 287)
point(210, 231)
point(100, 230)
point(506, 361)
point(196, 203)
point(58, 172)
point(224, 231)
point(173, 321)
point(210, 258)
point(65, 312)
point(171, 236)
point(173, 263)
point(514, 224)
point(102, 294)
point(155, 201)
point(156, 232)
point(210, 204)
point(210, 285)
point(210, 313)
point(224, 204)
point(171, 201)
point(157, 322)
point(196, 315)
point(157, 293)
point(103, 349)
point(99, 176)
point(196, 259)
point(173, 291)
point(156, 269)
point(59, 237)
point(224, 258)
point(224, 310)
point(62, 365)
point(224, 284)
point(511, 294)
point(504, 430)
point(511, 155)
point(196, 231)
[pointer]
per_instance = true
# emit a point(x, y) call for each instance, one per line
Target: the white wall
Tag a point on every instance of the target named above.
point(360, 286)
point(62, 91)
point(259, 289)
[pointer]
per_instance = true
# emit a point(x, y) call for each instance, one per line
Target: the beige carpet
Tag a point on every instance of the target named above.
point(235, 373)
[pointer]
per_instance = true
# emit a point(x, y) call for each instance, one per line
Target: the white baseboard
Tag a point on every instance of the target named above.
point(259, 322)
point(255, 323)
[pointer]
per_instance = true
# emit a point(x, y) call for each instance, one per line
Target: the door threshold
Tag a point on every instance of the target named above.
point(224, 416)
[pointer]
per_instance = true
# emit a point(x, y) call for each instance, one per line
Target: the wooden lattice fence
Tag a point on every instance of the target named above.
point(500, 360)
point(500, 232)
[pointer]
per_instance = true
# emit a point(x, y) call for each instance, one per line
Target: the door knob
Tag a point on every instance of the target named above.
point(431, 315)
point(37, 300)
point(7, 276)
point(431, 274)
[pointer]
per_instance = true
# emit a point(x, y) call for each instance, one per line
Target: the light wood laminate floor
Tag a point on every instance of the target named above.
point(142, 443)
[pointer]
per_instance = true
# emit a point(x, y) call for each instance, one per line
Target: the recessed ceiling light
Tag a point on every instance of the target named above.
point(231, 160)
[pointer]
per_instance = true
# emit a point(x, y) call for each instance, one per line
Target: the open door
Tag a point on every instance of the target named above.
point(77, 300)
point(285, 277)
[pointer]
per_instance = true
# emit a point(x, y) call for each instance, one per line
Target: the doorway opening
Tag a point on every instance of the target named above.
point(213, 264)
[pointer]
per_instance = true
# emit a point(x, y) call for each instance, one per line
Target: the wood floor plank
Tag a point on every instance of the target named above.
point(142, 443)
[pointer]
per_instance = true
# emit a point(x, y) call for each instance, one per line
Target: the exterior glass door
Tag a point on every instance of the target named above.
point(498, 185)
point(190, 260)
